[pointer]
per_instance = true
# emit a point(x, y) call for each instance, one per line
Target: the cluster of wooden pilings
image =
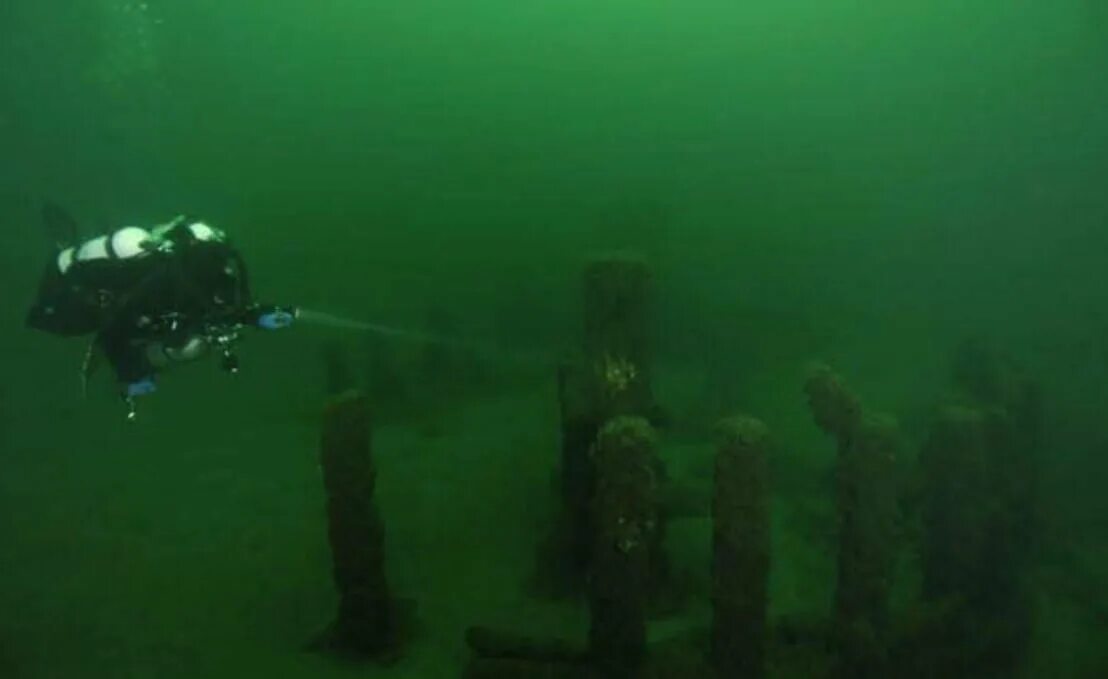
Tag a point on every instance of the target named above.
point(979, 469)
point(606, 544)
point(974, 499)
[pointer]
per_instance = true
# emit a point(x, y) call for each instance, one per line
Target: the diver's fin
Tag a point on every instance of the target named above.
point(59, 225)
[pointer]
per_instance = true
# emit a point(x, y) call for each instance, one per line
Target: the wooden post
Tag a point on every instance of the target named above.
point(366, 623)
point(741, 549)
point(624, 512)
point(866, 504)
point(612, 379)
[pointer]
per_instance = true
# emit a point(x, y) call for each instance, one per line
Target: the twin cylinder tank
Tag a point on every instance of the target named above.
point(129, 242)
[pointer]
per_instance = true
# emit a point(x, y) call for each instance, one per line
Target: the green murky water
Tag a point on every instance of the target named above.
point(865, 185)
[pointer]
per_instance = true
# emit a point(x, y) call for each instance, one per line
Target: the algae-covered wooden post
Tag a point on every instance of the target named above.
point(611, 378)
point(974, 519)
point(867, 508)
point(741, 549)
point(571, 545)
point(956, 503)
point(866, 504)
point(625, 515)
point(366, 624)
point(980, 476)
point(618, 302)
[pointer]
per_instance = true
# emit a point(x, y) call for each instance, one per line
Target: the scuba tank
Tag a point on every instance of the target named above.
point(126, 243)
point(132, 242)
point(83, 282)
point(86, 280)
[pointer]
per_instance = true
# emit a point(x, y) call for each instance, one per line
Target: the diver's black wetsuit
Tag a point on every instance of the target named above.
point(147, 311)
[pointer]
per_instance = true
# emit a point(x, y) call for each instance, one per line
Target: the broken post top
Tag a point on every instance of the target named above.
point(347, 402)
point(626, 433)
point(742, 433)
point(617, 298)
point(624, 455)
point(990, 377)
point(836, 409)
point(742, 478)
point(614, 267)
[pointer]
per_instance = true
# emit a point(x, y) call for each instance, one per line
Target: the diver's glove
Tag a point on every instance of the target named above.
point(133, 390)
point(143, 387)
point(276, 318)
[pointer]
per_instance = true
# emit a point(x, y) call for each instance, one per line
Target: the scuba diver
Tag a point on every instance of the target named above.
point(150, 298)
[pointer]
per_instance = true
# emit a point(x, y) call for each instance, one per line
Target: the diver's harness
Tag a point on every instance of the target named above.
point(220, 335)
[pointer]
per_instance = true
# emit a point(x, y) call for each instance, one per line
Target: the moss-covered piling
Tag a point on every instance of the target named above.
point(618, 302)
point(866, 504)
point(367, 623)
point(625, 515)
point(564, 556)
point(975, 545)
point(740, 548)
point(955, 463)
point(610, 379)
point(867, 508)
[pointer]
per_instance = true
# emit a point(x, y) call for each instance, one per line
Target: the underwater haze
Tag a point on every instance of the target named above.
point(872, 185)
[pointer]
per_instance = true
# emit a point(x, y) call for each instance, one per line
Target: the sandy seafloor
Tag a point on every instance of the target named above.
point(192, 543)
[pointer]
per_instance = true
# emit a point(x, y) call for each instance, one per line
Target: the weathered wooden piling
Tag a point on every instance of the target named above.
point(610, 379)
point(367, 623)
point(836, 410)
point(617, 302)
point(975, 543)
point(867, 508)
point(866, 504)
point(625, 518)
point(568, 550)
point(995, 383)
point(955, 464)
point(741, 549)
